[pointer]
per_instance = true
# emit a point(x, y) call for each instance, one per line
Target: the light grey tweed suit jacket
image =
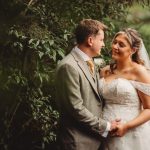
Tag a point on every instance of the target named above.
point(80, 105)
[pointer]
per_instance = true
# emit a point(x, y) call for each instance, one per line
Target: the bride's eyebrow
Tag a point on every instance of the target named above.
point(119, 41)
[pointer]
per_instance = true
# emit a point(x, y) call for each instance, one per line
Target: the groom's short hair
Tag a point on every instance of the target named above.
point(86, 28)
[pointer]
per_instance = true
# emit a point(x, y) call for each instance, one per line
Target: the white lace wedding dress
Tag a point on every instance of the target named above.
point(122, 101)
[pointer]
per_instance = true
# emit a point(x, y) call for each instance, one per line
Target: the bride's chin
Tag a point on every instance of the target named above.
point(114, 57)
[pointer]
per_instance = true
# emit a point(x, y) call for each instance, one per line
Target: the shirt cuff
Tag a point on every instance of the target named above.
point(107, 130)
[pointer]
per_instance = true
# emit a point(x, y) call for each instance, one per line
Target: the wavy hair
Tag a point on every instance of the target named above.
point(135, 41)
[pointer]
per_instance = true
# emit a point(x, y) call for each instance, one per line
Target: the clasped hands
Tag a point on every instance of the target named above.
point(117, 128)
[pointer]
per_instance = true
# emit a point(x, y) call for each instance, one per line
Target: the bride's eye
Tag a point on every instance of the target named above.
point(114, 42)
point(121, 44)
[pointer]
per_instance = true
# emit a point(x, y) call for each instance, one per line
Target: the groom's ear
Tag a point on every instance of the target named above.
point(90, 40)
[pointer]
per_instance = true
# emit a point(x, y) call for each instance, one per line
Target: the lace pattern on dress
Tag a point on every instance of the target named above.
point(122, 101)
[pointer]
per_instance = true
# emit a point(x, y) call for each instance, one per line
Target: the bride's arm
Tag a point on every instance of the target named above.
point(144, 77)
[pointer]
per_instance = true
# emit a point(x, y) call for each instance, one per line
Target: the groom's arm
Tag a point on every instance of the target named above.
point(68, 80)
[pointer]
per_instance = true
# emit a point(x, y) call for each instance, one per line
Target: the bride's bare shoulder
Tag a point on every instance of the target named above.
point(105, 71)
point(142, 74)
point(139, 69)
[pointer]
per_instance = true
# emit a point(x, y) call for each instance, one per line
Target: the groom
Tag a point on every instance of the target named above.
point(79, 101)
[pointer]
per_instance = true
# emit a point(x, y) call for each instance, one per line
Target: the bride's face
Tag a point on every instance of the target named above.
point(121, 49)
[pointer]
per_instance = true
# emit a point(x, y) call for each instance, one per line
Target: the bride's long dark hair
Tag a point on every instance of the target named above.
point(134, 39)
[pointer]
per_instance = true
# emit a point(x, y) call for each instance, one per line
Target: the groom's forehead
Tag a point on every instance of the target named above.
point(100, 33)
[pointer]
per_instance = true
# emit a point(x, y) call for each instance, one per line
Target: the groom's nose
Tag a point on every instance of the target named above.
point(103, 44)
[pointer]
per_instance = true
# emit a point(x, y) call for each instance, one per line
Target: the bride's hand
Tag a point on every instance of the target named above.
point(122, 129)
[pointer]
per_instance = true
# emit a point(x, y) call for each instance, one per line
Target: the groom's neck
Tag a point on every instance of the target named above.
point(86, 50)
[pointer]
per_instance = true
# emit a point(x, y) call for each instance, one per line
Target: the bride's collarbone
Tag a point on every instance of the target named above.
point(112, 77)
point(128, 75)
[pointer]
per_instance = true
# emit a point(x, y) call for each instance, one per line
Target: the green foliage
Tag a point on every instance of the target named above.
point(139, 18)
point(35, 35)
point(25, 77)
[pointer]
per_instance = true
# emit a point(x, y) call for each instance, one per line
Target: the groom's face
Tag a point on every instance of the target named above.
point(97, 43)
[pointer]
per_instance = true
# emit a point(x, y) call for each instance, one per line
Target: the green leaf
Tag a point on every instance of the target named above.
point(41, 54)
point(31, 41)
point(61, 53)
point(54, 55)
point(51, 42)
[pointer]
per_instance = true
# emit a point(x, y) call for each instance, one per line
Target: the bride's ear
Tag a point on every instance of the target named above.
point(134, 50)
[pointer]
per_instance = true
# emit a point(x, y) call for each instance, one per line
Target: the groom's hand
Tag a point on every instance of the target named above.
point(114, 125)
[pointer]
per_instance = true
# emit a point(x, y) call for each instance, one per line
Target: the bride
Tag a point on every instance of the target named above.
point(125, 86)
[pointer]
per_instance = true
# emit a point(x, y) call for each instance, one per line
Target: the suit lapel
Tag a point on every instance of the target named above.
point(83, 66)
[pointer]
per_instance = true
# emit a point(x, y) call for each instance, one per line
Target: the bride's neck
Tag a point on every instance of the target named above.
point(124, 65)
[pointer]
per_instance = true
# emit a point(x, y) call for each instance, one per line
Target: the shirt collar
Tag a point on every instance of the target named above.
point(82, 54)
